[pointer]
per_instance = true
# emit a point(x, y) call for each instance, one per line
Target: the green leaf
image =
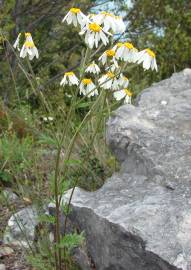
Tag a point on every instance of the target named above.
point(47, 219)
point(73, 162)
point(84, 105)
point(5, 176)
point(64, 186)
point(71, 241)
point(45, 139)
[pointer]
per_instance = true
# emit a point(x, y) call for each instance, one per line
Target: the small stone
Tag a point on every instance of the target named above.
point(164, 102)
point(187, 71)
point(21, 225)
point(9, 195)
point(5, 251)
point(2, 267)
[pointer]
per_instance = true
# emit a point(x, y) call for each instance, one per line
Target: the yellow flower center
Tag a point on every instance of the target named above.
point(92, 15)
point(27, 34)
point(110, 53)
point(75, 10)
point(70, 73)
point(95, 27)
point(107, 13)
point(128, 92)
point(110, 75)
point(118, 17)
point(119, 44)
point(29, 44)
point(129, 45)
point(86, 81)
point(151, 53)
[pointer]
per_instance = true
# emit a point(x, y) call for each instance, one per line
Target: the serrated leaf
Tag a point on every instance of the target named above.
point(71, 241)
point(47, 219)
point(73, 162)
point(44, 139)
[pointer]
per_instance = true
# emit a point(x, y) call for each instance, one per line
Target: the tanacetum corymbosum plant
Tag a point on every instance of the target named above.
point(102, 73)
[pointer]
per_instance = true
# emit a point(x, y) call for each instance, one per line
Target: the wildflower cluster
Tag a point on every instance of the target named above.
point(102, 72)
point(98, 30)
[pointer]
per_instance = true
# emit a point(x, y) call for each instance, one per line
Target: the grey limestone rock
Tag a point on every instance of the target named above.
point(2, 266)
point(10, 196)
point(141, 218)
point(21, 227)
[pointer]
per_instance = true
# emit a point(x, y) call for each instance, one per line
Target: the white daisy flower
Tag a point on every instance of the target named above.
point(29, 48)
point(148, 58)
point(108, 55)
point(92, 17)
point(87, 88)
point(126, 52)
point(93, 34)
point(120, 25)
point(123, 81)
point(109, 81)
point(110, 22)
point(75, 16)
point(16, 44)
point(69, 79)
point(107, 20)
point(113, 68)
point(93, 68)
point(125, 93)
point(48, 119)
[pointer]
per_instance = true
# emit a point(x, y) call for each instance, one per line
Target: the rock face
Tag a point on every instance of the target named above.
point(21, 227)
point(141, 218)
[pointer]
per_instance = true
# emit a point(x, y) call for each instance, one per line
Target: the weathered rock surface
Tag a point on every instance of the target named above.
point(141, 218)
point(10, 196)
point(2, 267)
point(21, 227)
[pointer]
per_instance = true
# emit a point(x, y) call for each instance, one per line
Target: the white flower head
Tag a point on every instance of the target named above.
point(75, 17)
point(92, 17)
point(109, 81)
point(47, 119)
point(120, 25)
point(50, 118)
point(110, 22)
point(88, 88)
point(108, 55)
point(93, 34)
point(148, 58)
point(16, 44)
point(29, 48)
point(123, 81)
point(93, 68)
point(113, 68)
point(69, 79)
point(126, 52)
point(125, 93)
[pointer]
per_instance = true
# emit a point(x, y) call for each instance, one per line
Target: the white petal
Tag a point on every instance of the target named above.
point(65, 18)
point(74, 20)
point(91, 41)
point(118, 95)
point(147, 62)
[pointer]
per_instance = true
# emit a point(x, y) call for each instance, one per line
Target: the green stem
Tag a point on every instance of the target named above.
point(56, 192)
point(72, 143)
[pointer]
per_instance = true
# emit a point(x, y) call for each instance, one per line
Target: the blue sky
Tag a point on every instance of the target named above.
point(109, 6)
